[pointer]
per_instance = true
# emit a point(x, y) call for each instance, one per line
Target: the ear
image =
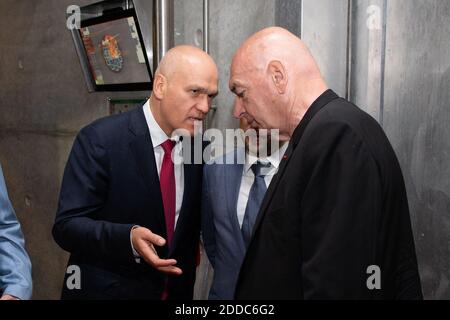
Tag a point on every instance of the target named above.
point(159, 86)
point(278, 75)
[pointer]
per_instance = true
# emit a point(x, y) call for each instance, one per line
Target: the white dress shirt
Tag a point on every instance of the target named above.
point(158, 137)
point(248, 177)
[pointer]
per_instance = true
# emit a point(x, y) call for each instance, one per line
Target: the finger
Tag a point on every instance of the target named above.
point(147, 251)
point(159, 263)
point(151, 257)
point(171, 270)
point(153, 238)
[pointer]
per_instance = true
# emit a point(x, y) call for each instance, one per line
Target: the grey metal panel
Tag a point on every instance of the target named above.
point(325, 32)
point(164, 26)
point(367, 53)
point(417, 121)
point(188, 22)
point(206, 25)
point(232, 22)
point(288, 15)
point(144, 12)
point(85, 67)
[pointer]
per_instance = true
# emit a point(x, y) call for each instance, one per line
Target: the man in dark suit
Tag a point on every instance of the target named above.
point(128, 213)
point(334, 223)
point(233, 188)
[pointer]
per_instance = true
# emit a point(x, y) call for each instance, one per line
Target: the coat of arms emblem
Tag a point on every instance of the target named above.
point(111, 53)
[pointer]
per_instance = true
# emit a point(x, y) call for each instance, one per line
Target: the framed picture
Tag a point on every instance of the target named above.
point(111, 50)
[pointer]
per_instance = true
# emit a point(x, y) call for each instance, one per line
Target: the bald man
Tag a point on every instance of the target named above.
point(128, 213)
point(334, 223)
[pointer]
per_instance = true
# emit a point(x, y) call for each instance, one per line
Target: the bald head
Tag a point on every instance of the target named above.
point(183, 57)
point(275, 78)
point(276, 44)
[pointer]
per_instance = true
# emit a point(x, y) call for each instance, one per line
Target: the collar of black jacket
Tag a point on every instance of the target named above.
point(317, 105)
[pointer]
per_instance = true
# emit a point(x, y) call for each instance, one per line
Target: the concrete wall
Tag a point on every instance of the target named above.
point(43, 104)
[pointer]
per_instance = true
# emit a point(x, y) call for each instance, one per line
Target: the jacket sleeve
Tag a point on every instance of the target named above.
point(83, 194)
point(15, 265)
point(208, 231)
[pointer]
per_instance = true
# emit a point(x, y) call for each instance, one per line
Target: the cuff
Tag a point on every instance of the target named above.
point(137, 258)
point(18, 291)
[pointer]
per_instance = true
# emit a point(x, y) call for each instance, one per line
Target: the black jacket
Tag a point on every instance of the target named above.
point(336, 207)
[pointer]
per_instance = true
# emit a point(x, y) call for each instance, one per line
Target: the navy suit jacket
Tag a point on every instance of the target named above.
point(110, 184)
point(221, 233)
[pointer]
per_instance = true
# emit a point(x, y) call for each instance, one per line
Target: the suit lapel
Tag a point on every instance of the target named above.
point(233, 176)
point(322, 101)
point(142, 149)
point(190, 172)
point(187, 196)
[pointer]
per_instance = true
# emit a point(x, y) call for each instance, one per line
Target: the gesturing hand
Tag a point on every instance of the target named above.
point(144, 241)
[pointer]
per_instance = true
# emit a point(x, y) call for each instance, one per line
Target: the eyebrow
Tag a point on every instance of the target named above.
point(203, 90)
point(235, 84)
point(234, 90)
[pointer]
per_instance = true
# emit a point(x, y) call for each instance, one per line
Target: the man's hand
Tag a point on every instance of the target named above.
point(8, 297)
point(143, 242)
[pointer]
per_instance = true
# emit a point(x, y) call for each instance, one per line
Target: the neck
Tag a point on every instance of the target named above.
point(305, 95)
point(155, 108)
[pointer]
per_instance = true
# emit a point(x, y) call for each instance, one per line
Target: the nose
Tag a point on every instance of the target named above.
point(204, 104)
point(238, 109)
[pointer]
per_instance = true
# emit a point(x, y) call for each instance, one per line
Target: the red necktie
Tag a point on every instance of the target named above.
point(167, 184)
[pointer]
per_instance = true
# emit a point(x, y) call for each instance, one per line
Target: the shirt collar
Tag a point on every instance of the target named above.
point(156, 133)
point(274, 159)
